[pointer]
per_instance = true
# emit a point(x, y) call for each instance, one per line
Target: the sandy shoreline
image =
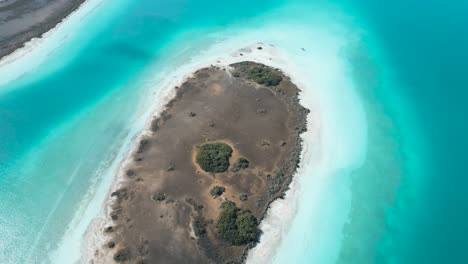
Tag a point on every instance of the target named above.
point(34, 51)
point(20, 25)
point(94, 234)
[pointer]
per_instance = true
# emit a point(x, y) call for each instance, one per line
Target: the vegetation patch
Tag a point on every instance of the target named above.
point(241, 163)
point(237, 226)
point(195, 204)
point(122, 255)
point(264, 75)
point(199, 227)
point(159, 197)
point(214, 157)
point(258, 73)
point(243, 197)
point(275, 183)
point(217, 191)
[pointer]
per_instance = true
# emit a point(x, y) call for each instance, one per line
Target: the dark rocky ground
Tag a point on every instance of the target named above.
point(22, 20)
point(164, 211)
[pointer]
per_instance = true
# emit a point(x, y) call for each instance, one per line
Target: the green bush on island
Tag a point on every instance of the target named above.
point(237, 226)
point(247, 226)
point(264, 75)
point(159, 197)
point(214, 157)
point(217, 191)
point(226, 224)
point(243, 197)
point(122, 255)
point(241, 163)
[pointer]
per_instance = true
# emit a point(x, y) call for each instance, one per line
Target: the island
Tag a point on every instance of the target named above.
point(202, 178)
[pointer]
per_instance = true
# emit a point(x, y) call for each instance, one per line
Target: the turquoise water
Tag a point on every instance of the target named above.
point(65, 125)
point(426, 45)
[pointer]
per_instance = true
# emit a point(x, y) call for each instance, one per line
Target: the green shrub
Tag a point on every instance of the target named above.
point(237, 226)
point(226, 225)
point(122, 255)
point(264, 75)
point(195, 204)
point(217, 191)
point(241, 163)
point(214, 157)
point(199, 227)
point(247, 226)
point(243, 197)
point(159, 197)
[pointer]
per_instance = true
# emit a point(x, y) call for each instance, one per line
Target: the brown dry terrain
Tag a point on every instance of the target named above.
point(260, 123)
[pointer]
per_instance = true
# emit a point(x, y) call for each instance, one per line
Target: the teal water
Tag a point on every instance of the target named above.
point(425, 43)
point(64, 125)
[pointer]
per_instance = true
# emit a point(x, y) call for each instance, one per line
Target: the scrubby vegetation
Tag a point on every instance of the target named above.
point(264, 75)
point(159, 197)
point(199, 227)
point(217, 191)
point(241, 163)
point(258, 73)
point(243, 197)
point(195, 204)
point(214, 157)
point(122, 255)
point(275, 183)
point(237, 226)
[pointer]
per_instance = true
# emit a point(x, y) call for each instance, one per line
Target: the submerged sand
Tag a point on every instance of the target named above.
point(260, 123)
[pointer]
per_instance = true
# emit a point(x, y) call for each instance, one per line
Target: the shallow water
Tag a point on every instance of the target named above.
point(382, 185)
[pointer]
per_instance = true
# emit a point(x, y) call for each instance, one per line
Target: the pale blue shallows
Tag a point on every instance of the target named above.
point(60, 129)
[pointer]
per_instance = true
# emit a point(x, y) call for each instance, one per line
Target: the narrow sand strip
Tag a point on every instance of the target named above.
point(36, 51)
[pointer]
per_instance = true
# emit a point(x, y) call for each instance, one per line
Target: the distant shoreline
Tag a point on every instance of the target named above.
point(15, 38)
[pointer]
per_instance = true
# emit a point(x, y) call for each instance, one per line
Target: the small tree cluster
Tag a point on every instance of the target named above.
point(214, 157)
point(195, 204)
point(217, 191)
point(241, 163)
point(243, 197)
point(122, 255)
point(159, 197)
point(237, 226)
point(264, 75)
